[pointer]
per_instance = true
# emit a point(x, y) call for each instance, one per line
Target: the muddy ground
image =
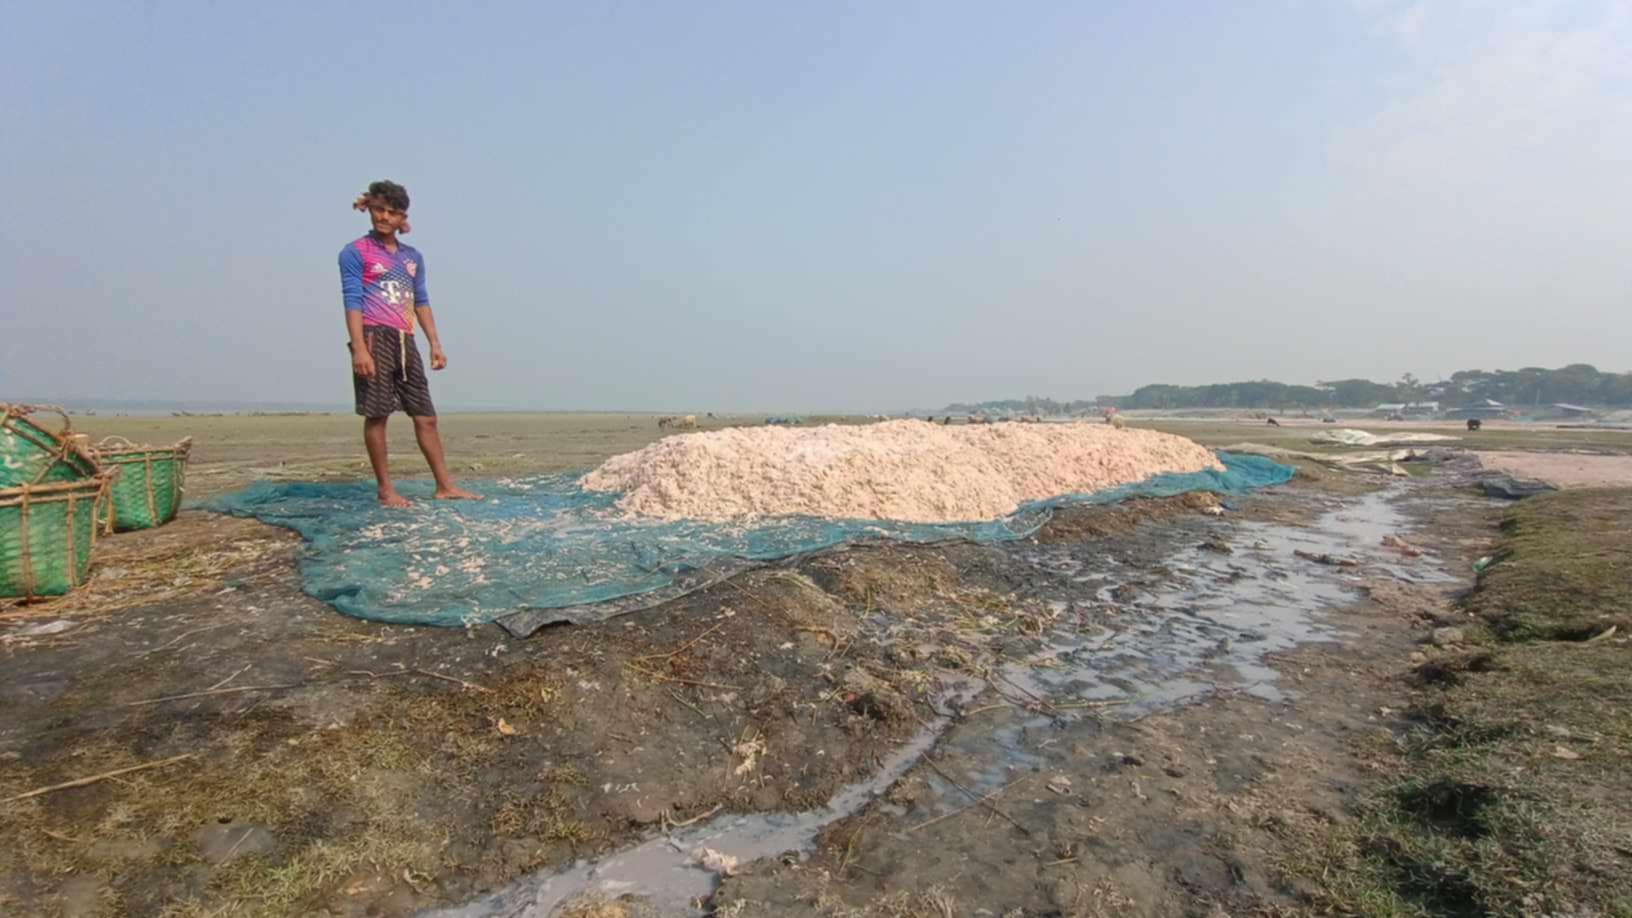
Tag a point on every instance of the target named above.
point(1139, 712)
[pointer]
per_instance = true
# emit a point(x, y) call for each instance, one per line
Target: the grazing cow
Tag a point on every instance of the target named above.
point(689, 422)
point(1474, 424)
point(665, 422)
point(1273, 422)
point(1117, 421)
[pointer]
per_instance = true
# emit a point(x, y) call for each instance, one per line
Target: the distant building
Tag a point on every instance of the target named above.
point(1406, 409)
point(1484, 408)
point(1572, 411)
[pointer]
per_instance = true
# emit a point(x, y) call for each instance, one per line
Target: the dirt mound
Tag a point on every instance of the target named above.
point(909, 471)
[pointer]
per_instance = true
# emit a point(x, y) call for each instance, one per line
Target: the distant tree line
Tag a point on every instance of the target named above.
point(1578, 383)
point(1030, 405)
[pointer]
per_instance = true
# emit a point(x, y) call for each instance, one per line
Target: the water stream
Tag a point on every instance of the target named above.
point(1211, 612)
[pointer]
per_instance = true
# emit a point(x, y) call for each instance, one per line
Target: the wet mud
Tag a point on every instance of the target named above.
point(1061, 724)
point(1127, 636)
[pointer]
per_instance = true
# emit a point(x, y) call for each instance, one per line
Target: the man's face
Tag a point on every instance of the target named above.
point(387, 220)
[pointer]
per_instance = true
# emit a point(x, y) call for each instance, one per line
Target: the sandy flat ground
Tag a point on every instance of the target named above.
point(232, 451)
point(1565, 470)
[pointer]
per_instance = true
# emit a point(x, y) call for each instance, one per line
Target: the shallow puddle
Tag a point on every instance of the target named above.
point(665, 870)
point(1212, 609)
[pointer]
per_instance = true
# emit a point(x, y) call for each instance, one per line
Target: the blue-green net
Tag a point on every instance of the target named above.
point(544, 543)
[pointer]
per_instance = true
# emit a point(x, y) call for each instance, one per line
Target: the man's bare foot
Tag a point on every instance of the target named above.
point(390, 498)
point(454, 492)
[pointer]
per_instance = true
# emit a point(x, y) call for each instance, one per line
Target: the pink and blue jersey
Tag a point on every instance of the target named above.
point(383, 285)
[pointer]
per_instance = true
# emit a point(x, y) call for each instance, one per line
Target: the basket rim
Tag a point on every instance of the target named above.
point(71, 442)
point(181, 447)
point(60, 487)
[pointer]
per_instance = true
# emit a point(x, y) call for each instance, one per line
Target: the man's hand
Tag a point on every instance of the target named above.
point(362, 363)
point(438, 359)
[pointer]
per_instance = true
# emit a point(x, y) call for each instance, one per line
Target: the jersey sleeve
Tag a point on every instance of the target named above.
point(351, 277)
point(421, 296)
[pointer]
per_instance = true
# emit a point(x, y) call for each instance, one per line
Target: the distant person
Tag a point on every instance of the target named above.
point(382, 281)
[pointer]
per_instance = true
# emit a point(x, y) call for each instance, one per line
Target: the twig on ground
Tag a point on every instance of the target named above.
point(676, 696)
point(237, 844)
point(245, 712)
point(988, 707)
point(235, 675)
point(839, 650)
point(980, 801)
point(683, 647)
point(1044, 702)
point(850, 848)
point(220, 691)
point(180, 636)
point(459, 682)
point(670, 822)
point(733, 584)
point(81, 782)
point(807, 629)
point(964, 809)
point(1107, 703)
point(374, 675)
point(679, 681)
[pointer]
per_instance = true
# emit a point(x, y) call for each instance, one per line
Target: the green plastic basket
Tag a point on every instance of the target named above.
point(30, 454)
point(46, 535)
point(151, 480)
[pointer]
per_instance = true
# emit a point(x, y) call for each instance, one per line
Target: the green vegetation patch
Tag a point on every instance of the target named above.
point(1564, 571)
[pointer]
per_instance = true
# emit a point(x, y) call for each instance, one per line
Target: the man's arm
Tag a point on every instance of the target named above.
point(351, 292)
point(428, 323)
point(422, 310)
point(362, 362)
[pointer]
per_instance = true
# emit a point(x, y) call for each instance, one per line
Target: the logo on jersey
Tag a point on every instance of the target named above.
point(412, 268)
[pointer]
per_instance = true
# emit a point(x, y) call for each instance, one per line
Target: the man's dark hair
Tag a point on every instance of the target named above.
point(390, 194)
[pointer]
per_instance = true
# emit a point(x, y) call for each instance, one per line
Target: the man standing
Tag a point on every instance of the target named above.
point(382, 281)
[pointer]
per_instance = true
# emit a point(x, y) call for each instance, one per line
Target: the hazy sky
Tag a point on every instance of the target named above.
point(709, 206)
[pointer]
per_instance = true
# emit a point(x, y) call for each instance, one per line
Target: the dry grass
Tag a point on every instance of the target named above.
point(600, 907)
point(1072, 524)
point(197, 553)
point(265, 771)
point(371, 796)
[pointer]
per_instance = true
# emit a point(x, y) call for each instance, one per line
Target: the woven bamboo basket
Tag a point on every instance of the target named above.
point(30, 454)
point(46, 535)
point(150, 484)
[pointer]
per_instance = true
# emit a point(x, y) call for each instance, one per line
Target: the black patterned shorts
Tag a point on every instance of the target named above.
point(399, 382)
